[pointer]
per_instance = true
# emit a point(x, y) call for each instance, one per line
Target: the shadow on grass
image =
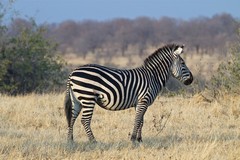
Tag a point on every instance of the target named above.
point(89, 146)
point(12, 133)
point(172, 140)
point(162, 141)
point(159, 142)
point(151, 142)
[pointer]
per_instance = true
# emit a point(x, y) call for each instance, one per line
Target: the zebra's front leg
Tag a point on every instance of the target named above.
point(86, 122)
point(137, 130)
point(139, 133)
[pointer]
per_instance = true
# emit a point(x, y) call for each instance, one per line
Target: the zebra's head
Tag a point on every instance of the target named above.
point(179, 69)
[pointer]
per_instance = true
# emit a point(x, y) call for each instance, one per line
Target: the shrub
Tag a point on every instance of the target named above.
point(228, 73)
point(28, 63)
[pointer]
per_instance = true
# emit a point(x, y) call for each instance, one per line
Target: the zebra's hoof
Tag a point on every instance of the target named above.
point(70, 141)
point(139, 139)
point(133, 138)
point(93, 141)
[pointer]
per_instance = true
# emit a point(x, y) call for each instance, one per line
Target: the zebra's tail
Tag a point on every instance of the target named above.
point(68, 104)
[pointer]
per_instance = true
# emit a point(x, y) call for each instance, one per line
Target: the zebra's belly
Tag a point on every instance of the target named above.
point(120, 104)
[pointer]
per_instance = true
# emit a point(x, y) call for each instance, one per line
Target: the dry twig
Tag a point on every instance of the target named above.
point(160, 124)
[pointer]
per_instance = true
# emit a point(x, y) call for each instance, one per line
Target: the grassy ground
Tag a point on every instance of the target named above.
point(34, 127)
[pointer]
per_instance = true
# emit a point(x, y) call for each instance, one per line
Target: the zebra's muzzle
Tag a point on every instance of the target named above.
point(189, 80)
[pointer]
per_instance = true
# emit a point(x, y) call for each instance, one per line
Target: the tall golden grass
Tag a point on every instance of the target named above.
point(34, 127)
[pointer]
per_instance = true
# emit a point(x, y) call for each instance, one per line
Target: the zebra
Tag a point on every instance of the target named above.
point(119, 89)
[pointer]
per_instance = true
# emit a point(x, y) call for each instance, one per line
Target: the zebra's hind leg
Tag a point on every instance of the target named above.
point(70, 127)
point(86, 121)
point(75, 110)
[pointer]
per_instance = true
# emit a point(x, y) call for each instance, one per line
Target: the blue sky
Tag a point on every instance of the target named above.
point(55, 11)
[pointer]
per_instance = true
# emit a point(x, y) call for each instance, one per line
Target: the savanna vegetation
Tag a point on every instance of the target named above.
point(34, 127)
point(201, 121)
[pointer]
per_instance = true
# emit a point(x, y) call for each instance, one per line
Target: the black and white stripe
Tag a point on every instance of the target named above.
point(116, 89)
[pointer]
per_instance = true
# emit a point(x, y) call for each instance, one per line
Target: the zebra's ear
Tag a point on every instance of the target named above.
point(179, 50)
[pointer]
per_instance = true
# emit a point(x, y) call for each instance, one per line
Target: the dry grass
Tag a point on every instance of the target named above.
point(203, 65)
point(34, 127)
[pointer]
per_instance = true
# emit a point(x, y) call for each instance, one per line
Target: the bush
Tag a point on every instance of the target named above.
point(28, 63)
point(228, 73)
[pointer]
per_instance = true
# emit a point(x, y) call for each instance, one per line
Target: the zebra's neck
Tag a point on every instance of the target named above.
point(158, 67)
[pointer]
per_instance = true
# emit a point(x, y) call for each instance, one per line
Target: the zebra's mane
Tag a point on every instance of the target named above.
point(167, 49)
